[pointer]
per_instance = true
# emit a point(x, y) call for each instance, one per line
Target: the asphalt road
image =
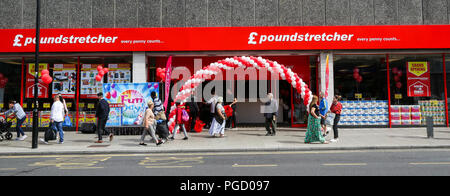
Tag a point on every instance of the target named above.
point(315, 163)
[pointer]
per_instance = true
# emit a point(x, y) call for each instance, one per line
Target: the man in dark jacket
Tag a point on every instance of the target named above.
point(102, 115)
point(193, 110)
point(270, 114)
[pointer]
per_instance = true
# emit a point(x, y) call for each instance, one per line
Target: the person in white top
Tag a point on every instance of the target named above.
point(57, 117)
point(212, 103)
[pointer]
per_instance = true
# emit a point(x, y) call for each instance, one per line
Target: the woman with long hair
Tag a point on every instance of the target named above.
point(313, 133)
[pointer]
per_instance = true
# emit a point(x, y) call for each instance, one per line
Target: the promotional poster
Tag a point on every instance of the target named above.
point(133, 97)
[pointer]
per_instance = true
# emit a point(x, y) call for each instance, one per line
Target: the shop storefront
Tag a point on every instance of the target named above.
point(387, 75)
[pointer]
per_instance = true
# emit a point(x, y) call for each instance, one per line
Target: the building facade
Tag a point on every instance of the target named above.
point(378, 97)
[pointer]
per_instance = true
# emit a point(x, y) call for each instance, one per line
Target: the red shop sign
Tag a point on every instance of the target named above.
point(228, 38)
point(418, 76)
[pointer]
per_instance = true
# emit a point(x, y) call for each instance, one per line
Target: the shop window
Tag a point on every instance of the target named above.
point(10, 79)
point(417, 89)
point(361, 81)
point(63, 70)
point(447, 69)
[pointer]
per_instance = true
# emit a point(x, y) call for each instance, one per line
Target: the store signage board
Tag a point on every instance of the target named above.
point(228, 38)
point(418, 79)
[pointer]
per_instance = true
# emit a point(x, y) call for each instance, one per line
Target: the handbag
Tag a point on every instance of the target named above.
point(217, 116)
point(67, 122)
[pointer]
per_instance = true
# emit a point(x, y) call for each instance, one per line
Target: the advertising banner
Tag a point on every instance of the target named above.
point(89, 86)
point(228, 38)
point(418, 79)
point(115, 114)
point(119, 73)
point(133, 97)
point(43, 88)
point(65, 80)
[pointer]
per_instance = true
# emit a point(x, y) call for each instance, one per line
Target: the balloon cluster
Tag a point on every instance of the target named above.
point(239, 62)
point(397, 74)
point(161, 74)
point(101, 72)
point(45, 76)
point(3, 81)
point(356, 75)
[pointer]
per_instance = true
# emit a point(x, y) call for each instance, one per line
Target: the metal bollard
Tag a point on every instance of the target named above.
point(429, 120)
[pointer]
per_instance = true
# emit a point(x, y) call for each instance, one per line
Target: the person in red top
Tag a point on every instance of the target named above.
point(336, 108)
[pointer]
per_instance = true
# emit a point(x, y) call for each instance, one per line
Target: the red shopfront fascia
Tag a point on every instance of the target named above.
point(228, 38)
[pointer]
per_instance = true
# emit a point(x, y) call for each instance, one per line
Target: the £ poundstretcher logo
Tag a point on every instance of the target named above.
point(20, 40)
point(254, 38)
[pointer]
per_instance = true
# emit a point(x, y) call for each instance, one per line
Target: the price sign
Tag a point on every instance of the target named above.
point(46, 105)
point(91, 105)
point(398, 96)
point(358, 95)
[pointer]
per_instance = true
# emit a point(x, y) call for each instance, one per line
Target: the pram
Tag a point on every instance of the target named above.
point(4, 130)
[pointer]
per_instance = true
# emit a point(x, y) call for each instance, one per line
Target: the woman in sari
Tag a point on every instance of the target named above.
point(313, 133)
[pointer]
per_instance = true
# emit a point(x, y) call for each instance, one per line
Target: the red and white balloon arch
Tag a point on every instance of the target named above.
point(238, 62)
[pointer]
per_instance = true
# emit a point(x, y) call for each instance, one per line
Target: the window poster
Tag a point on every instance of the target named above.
point(418, 79)
point(89, 86)
point(43, 88)
point(65, 80)
point(119, 73)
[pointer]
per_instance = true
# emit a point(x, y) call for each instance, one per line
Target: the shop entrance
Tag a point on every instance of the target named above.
point(291, 112)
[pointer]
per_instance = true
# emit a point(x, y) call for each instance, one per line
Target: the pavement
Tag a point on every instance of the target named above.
point(237, 140)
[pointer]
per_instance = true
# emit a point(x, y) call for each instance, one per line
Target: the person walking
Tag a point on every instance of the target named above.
point(219, 120)
point(313, 133)
point(17, 110)
point(149, 124)
point(102, 114)
point(193, 111)
point(158, 109)
point(212, 103)
point(179, 122)
point(57, 117)
point(336, 108)
point(270, 114)
point(323, 110)
point(231, 120)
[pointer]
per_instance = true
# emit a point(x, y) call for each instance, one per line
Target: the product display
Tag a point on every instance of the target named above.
point(64, 80)
point(435, 109)
point(119, 73)
point(89, 86)
point(364, 113)
point(405, 115)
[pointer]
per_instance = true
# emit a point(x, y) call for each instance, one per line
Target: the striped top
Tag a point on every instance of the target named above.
point(158, 106)
point(17, 109)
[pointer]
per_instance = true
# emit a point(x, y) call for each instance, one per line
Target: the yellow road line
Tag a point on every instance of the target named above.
point(269, 165)
point(168, 166)
point(7, 169)
point(431, 163)
point(344, 164)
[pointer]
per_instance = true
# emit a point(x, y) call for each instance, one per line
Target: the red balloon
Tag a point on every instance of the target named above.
point(359, 80)
point(106, 70)
point(99, 68)
point(98, 78)
point(396, 78)
point(1, 75)
point(108, 95)
point(101, 73)
point(47, 79)
point(398, 85)
point(356, 70)
point(399, 73)
point(45, 72)
point(395, 70)
point(6, 79)
point(158, 69)
point(355, 75)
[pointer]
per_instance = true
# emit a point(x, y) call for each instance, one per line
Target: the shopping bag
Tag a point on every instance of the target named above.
point(50, 133)
point(330, 119)
point(67, 122)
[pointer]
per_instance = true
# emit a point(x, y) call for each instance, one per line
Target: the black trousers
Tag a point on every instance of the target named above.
point(270, 122)
point(194, 118)
point(335, 126)
point(101, 123)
